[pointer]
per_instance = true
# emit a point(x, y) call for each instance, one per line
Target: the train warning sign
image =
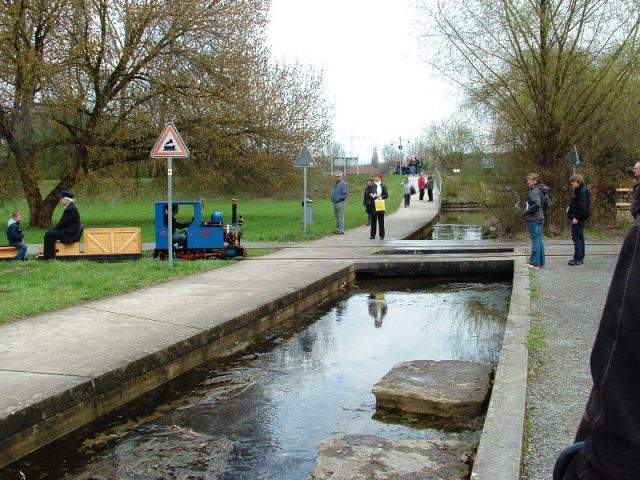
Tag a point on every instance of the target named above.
point(170, 144)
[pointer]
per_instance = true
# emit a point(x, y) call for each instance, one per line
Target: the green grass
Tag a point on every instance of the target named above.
point(28, 288)
point(31, 287)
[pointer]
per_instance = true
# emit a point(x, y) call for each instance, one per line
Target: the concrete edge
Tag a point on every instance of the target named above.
point(500, 450)
point(47, 420)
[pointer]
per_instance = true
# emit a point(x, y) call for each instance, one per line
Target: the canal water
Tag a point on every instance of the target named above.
point(263, 414)
point(461, 225)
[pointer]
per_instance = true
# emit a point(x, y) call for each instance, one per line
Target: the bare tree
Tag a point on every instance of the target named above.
point(550, 72)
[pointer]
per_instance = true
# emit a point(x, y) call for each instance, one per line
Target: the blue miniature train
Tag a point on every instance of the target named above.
point(201, 239)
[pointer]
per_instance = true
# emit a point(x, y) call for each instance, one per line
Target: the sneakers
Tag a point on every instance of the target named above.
point(534, 267)
point(574, 263)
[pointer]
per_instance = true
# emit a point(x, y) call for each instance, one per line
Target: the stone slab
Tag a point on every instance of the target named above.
point(446, 388)
point(369, 457)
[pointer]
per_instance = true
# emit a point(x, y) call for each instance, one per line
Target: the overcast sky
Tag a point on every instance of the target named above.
point(370, 52)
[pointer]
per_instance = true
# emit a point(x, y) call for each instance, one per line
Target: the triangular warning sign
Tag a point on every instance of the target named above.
point(170, 144)
point(305, 159)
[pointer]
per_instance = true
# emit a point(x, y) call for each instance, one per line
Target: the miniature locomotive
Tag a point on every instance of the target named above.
point(201, 239)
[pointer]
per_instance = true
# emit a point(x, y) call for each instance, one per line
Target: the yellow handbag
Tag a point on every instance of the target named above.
point(379, 204)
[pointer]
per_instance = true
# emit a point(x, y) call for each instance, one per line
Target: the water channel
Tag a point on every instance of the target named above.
point(263, 413)
point(460, 225)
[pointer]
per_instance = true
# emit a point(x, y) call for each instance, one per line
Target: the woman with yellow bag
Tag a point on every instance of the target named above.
point(377, 192)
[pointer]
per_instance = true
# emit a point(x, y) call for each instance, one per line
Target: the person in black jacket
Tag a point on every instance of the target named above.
point(578, 213)
point(68, 229)
point(15, 235)
point(377, 191)
point(367, 202)
point(610, 427)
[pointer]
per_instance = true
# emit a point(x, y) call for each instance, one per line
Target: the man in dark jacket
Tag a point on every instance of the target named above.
point(68, 228)
point(578, 213)
point(610, 426)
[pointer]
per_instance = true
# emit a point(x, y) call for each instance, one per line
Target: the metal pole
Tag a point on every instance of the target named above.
point(304, 201)
point(169, 212)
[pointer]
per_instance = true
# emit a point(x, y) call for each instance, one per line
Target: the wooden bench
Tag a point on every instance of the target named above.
point(7, 252)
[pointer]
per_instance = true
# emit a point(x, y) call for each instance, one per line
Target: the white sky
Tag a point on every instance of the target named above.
point(370, 53)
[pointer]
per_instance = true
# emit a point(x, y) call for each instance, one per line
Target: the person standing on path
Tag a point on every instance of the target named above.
point(534, 216)
point(339, 196)
point(635, 196)
point(367, 202)
point(406, 190)
point(578, 213)
point(422, 183)
point(430, 186)
point(610, 425)
point(377, 191)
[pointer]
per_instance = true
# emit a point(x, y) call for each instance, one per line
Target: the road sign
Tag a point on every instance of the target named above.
point(305, 159)
point(170, 144)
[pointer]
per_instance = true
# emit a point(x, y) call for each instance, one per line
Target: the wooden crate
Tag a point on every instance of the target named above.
point(112, 241)
point(7, 251)
point(62, 249)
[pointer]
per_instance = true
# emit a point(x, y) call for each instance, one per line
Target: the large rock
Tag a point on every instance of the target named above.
point(447, 389)
point(368, 457)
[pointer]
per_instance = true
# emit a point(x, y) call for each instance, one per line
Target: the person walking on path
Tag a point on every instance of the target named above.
point(610, 425)
point(635, 196)
point(578, 213)
point(15, 235)
point(367, 202)
point(339, 196)
point(68, 228)
point(422, 183)
point(534, 216)
point(407, 189)
point(377, 191)
point(430, 186)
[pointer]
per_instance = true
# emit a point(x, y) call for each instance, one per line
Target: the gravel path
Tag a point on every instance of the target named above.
point(568, 310)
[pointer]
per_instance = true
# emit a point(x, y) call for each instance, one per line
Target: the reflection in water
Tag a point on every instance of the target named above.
point(263, 415)
point(377, 308)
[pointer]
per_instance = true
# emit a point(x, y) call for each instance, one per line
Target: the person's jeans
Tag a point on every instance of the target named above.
point(537, 245)
point(22, 250)
point(338, 210)
point(577, 235)
point(407, 200)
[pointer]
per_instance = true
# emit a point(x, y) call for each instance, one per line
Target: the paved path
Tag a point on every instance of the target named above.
point(568, 311)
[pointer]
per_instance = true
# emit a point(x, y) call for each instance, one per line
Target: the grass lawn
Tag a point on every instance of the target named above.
point(28, 288)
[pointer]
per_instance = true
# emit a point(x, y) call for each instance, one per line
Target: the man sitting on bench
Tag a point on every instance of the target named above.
point(68, 228)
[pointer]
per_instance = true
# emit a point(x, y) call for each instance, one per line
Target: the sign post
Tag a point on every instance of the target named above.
point(575, 159)
point(305, 160)
point(170, 146)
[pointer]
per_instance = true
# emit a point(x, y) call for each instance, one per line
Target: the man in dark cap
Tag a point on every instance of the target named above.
point(610, 426)
point(68, 228)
